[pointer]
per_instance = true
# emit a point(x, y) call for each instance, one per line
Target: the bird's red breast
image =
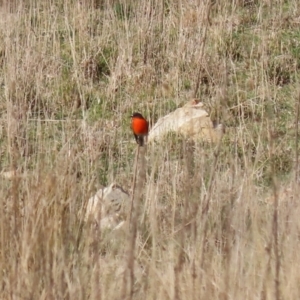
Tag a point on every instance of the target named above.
point(140, 127)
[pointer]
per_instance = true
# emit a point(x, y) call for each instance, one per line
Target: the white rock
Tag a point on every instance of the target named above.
point(190, 120)
point(105, 206)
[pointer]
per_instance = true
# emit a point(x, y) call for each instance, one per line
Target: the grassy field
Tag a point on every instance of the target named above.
point(210, 221)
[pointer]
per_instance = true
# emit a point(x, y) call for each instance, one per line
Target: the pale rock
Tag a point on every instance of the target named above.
point(191, 120)
point(107, 206)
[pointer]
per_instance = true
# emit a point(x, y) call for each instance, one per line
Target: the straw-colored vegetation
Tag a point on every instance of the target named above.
point(212, 221)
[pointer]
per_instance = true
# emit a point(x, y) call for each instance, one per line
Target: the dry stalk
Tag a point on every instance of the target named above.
point(134, 182)
point(296, 140)
point(137, 189)
point(96, 238)
point(205, 209)
point(203, 43)
point(276, 237)
point(275, 226)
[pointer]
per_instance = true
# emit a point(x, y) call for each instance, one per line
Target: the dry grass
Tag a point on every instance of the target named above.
point(210, 222)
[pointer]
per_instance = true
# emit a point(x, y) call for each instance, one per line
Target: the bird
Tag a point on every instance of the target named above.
point(140, 127)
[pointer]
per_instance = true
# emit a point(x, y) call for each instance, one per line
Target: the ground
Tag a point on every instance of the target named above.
point(212, 221)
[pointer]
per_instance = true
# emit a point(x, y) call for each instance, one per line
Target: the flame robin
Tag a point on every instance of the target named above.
point(140, 127)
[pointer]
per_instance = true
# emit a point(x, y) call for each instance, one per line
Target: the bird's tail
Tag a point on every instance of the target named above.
point(140, 140)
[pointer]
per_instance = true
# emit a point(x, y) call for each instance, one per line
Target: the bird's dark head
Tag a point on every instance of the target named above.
point(137, 115)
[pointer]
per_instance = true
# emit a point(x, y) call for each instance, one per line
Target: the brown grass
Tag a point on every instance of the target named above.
point(209, 222)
